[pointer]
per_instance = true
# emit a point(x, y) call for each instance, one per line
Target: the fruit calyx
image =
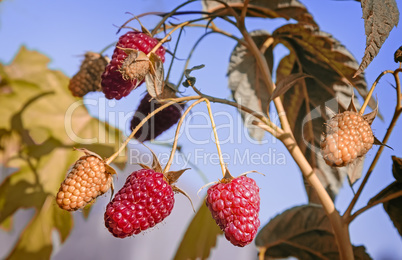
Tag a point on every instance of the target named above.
point(171, 177)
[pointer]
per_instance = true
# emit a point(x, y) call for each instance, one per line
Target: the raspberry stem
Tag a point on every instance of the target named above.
point(398, 110)
point(111, 158)
point(176, 137)
point(218, 146)
point(107, 47)
point(368, 97)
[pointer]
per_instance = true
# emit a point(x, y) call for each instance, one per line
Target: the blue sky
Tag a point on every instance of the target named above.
point(63, 30)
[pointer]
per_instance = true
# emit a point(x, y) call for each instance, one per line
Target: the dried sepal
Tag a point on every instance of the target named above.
point(155, 78)
point(177, 189)
point(135, 66)
point(173, 176)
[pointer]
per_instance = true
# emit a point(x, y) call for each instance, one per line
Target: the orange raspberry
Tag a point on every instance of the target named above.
point(347, 136)
point(88, 179)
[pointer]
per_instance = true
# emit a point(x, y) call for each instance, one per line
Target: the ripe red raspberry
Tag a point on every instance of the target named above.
point(235, 205)
point(88, 179)
point(113, 83)
point(347, 136)
point(145, 200)
point(160, 122)
point(88, 78)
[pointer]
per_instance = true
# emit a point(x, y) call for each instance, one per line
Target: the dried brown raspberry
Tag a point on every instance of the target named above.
point(347, 136)
point(89, 178)
point(88, 78)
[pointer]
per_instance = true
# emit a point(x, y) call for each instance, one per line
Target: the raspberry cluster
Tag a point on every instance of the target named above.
point(87, 180)
point(114, 85)
point(145, 200)
point(235, 206)
point(347, 136)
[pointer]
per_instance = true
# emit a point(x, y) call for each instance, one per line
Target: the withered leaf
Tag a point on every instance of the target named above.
point(246, 82)
point(303, 232)
point(286, 83)
point(379, 19)
point(397, 168)
point(288, 9)
point(393, 207)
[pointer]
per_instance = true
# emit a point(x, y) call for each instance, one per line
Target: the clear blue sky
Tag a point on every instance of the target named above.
point(63, 30)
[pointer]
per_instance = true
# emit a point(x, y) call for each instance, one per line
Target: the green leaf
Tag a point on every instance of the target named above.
point(246, 82)
point(380, 17)
point(331, 84)
point(40, 124)
point(200, 236)
point(36, 240)
point(288, 9)
point(303, 232)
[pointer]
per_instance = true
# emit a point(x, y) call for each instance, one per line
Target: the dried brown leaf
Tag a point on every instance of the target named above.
point(379, 19)
point(288, 9)
point(397, 168)
point(246, 82)
point(303, 232)
point(393, 207)
point(286, 83)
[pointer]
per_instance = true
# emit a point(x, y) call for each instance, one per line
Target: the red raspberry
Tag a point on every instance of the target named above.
point(157, 124)
point(113, 84)
point(145, 200)
point(235, 205)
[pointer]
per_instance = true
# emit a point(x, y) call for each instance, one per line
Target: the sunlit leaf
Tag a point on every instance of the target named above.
point(200, 236)
point(379, 19)
point(292, 9)
point(303, 232)
point(331, 84)
point(36, 240)
point(246, 83)
point(40, 125)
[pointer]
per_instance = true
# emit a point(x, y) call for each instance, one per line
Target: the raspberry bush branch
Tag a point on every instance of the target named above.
point(123, 146)
point(368, 97)
point(341, 231)
point(397, 112)
point(370, 205)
